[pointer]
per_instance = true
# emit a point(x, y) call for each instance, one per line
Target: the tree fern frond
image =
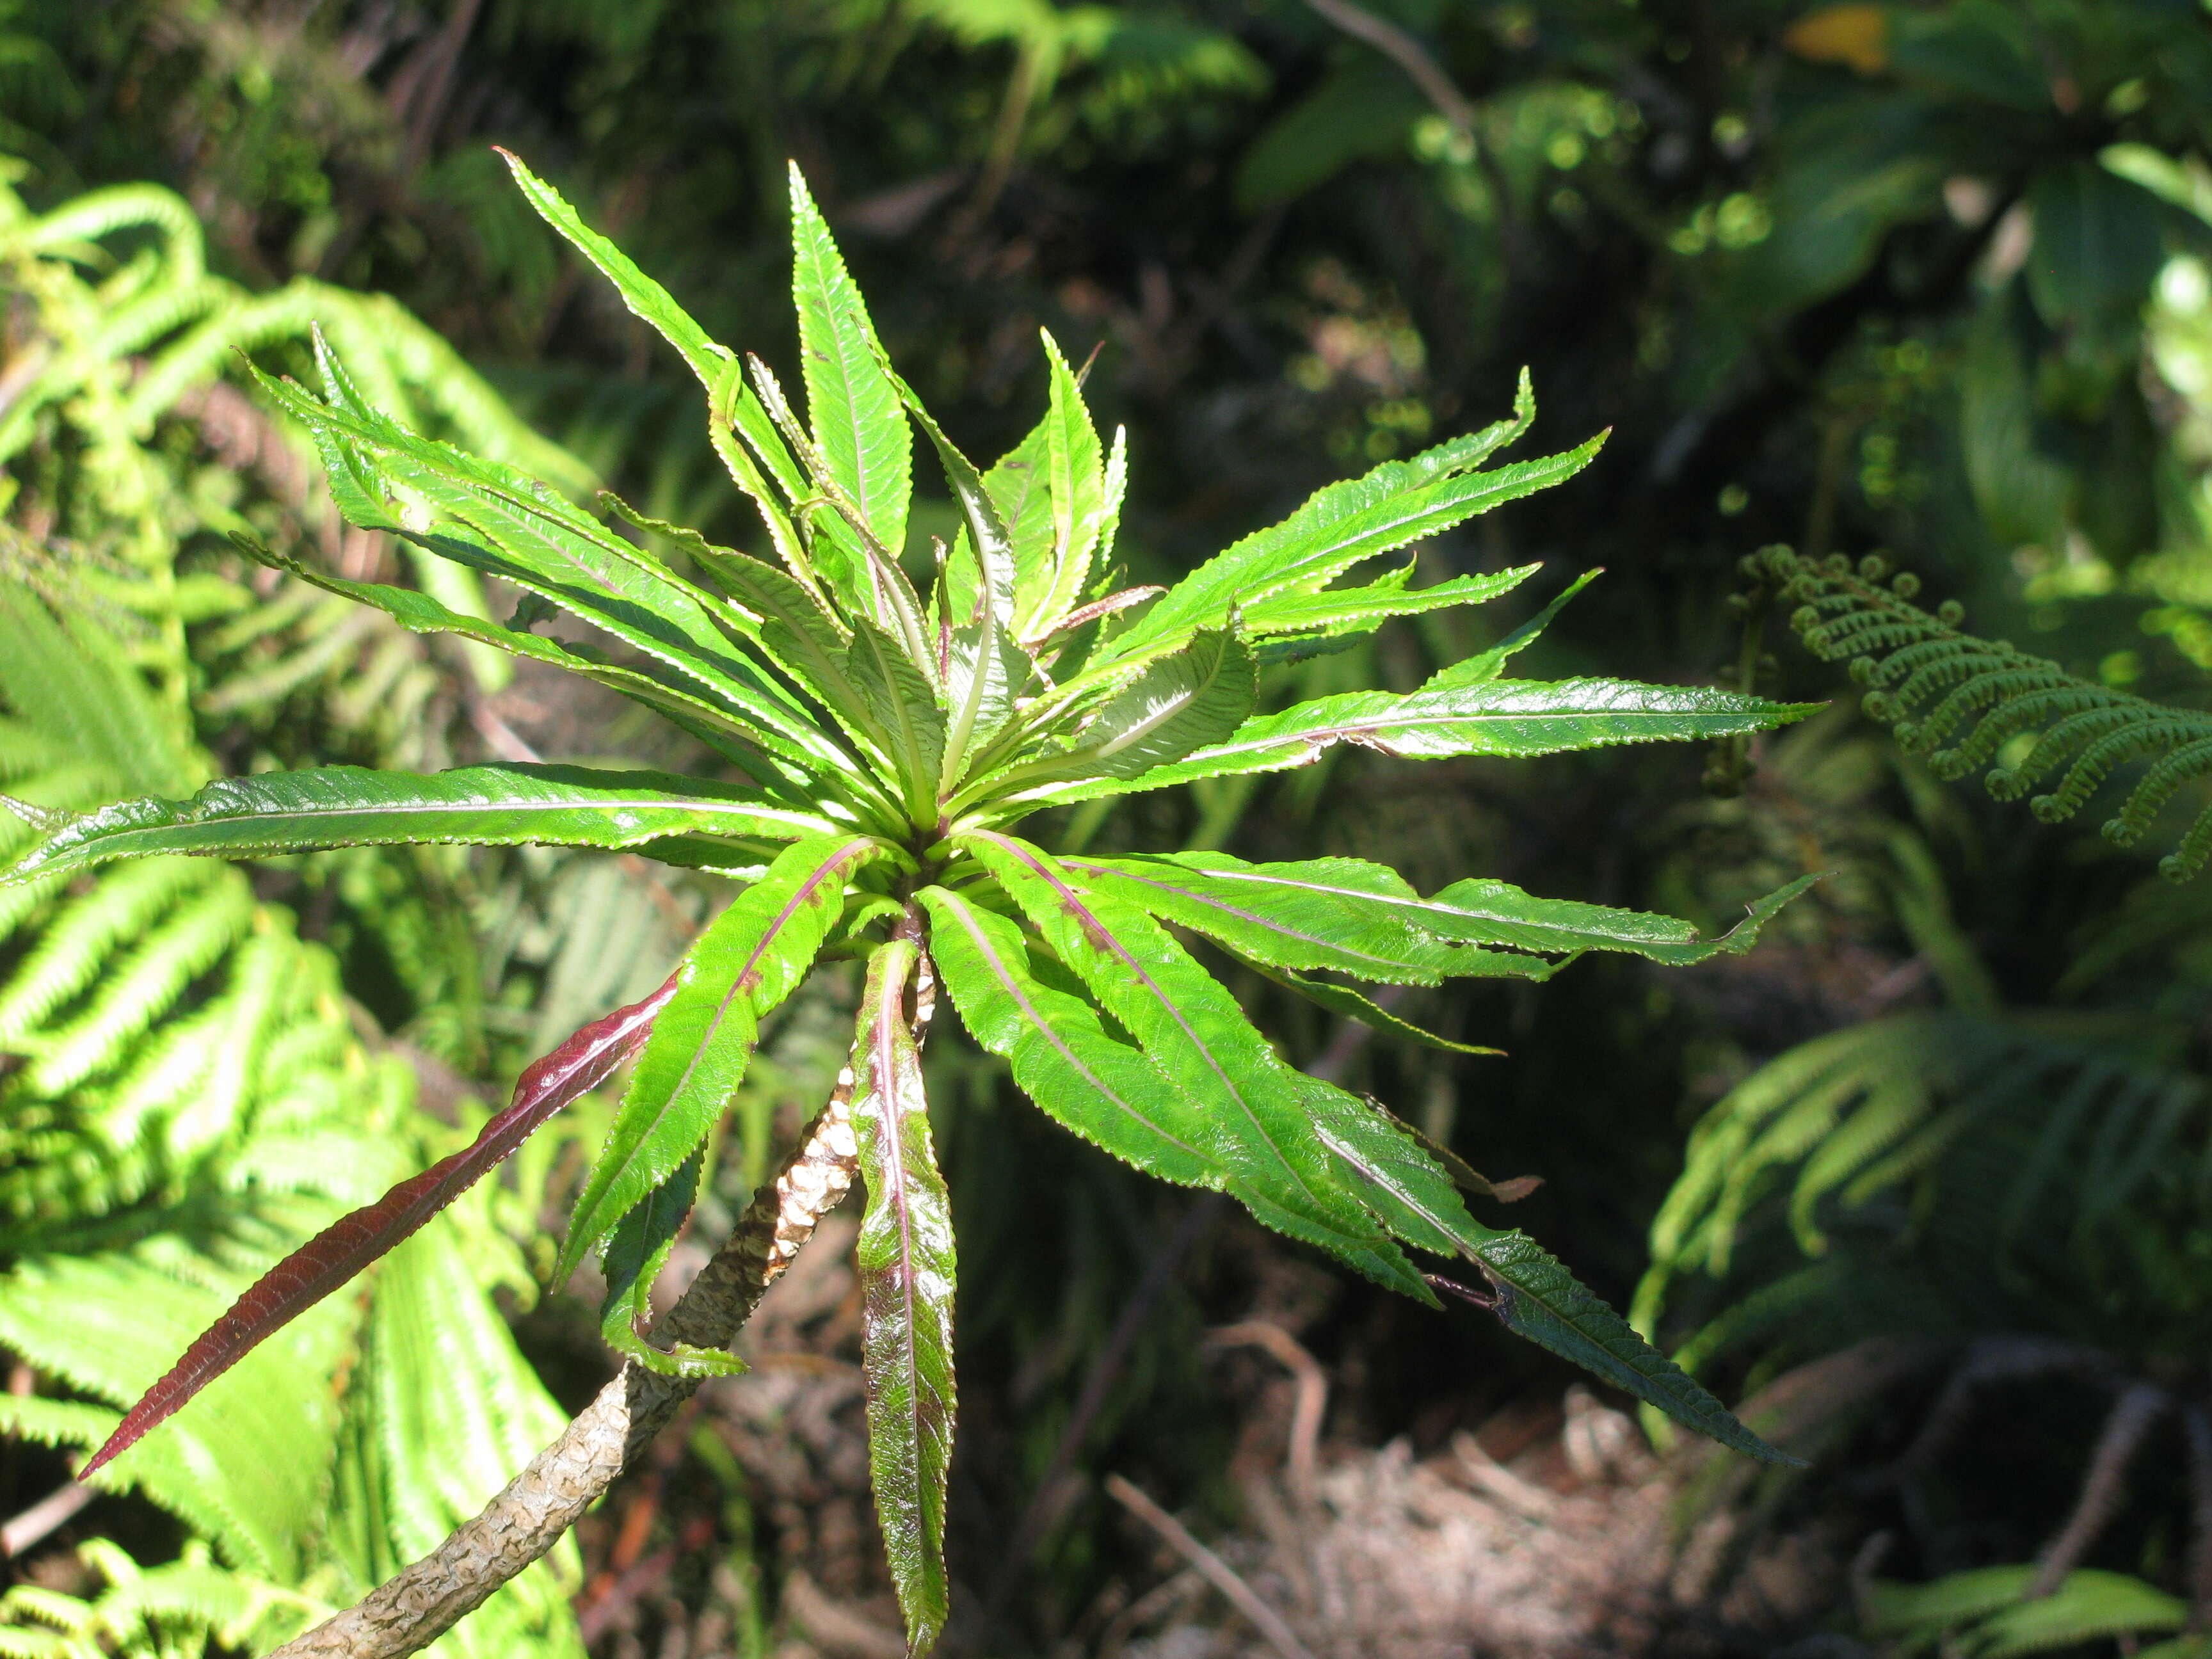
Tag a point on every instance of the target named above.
point(144, 986)
point(78, 944)
point(1905, 655)
point(2092, 1117)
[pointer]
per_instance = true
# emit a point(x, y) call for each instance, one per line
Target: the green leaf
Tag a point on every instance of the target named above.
point(501, 804)
point(1020, 489)
point(746, 962)
point(849, 678)
point(1343, 1000)
point(1495, 717)
point(1358, 918)
point(506, 525)
point(989, 542)
point(1989, 1608)
point(636, 1252)
point(1411, 1194)
point(2098, 249)
point(648, 682)
point(862, 436)
point(1077, 492)
point(986, 671)
point(1060, 1053)
point(1498, 912)
point(1177, 703)
point(1342, 610)
point(649, 302)
point(1347, 914)
point(1186, 1023)
point(1398, 502)
point(1540, 1299)
point(905, 1261)
point(899, 699)
point(1488, 665)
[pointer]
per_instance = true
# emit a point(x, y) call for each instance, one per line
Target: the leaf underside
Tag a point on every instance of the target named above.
point(351, 1244)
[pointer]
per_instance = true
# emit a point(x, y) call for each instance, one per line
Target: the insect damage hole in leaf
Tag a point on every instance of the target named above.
point(894, 742)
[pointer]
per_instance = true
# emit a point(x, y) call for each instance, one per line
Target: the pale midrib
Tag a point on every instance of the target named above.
point(848, 386)
point(1426, 907)
point(1267, 923)
point(436, 808)
point(1198, 1044)
point(1037, 1022)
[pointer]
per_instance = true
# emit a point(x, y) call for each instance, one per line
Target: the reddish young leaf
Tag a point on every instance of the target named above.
point(351, 1244)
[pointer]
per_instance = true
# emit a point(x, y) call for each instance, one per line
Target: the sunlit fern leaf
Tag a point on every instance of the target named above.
point(1967, 702)
point(422, 1456)
point(249, 1466)
point(175, 1610)
point(194, 1103)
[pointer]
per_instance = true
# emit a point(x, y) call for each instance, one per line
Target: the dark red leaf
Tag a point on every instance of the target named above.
point(344, 1249)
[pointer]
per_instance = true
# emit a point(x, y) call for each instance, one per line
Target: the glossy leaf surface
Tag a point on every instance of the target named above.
point(502, 805)
point(1189, 1025)
point(857, 420)
point(1518, 718)
point(907, 1265)
point(749, 959)
point(1396, 503)
point(1540, 1299)
point(1180, 702)
point(636, 1252)
point(1062, 1054)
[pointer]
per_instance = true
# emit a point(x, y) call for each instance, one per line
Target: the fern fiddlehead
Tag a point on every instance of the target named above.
point(1964, 701)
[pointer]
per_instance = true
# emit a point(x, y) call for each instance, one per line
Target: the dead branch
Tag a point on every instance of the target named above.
point(1407, 53)
point(42, 1517)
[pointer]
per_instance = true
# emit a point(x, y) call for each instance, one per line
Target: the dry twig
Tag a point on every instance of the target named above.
point(2133, 1415)
point(1218, 1573)
point(1312, 1401)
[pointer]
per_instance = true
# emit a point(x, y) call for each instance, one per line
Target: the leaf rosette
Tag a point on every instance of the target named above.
point(884, 741)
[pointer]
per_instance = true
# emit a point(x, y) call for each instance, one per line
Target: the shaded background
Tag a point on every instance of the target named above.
point(1927, 281)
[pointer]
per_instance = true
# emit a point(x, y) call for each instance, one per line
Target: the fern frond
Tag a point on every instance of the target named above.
point(2093, 1119)
point(1905, 656)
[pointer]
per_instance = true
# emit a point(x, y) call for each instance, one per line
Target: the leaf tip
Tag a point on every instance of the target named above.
point(46, 820)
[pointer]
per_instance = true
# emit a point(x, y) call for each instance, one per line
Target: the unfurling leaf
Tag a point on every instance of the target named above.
point(351, 1244)
point(907, 1272)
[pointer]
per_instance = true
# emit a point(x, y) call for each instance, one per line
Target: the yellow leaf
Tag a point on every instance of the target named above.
point(1857, 35)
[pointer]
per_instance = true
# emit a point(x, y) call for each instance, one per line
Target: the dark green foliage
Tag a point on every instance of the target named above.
point(1966, 702)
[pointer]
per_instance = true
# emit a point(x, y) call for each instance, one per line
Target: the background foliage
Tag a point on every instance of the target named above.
point(1927, 281)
